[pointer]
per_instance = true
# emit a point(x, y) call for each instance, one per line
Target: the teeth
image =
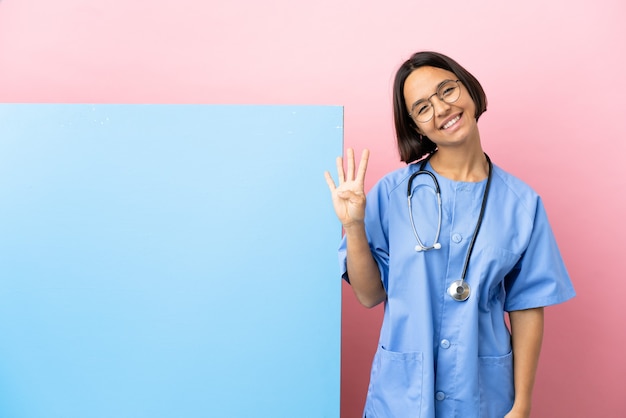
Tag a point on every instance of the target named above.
point(452, 122)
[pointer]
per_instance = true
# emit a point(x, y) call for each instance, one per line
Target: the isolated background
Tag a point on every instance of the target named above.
point(552, 70)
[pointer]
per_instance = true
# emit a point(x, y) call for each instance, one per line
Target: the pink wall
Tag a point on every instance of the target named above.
point(553, 72)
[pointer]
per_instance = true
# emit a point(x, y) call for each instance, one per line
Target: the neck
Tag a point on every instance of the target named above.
point(461, 164)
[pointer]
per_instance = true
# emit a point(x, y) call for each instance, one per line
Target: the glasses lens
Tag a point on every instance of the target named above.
point(423, 111)
point(449, 92)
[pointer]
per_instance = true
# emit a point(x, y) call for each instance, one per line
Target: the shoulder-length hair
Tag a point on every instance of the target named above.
point(411, 144)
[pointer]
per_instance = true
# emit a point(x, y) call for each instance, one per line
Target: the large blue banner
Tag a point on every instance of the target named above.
point(168, 261)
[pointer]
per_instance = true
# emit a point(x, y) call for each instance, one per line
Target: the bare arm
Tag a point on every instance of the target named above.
point(349, 203)
point(362, 268)
point(527, 335)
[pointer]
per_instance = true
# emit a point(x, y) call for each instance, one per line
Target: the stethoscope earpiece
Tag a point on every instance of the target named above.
point(420, 247)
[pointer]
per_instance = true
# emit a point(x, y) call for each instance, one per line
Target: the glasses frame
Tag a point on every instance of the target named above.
point(443, 83)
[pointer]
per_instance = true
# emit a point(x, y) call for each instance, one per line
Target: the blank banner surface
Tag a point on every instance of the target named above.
point(168, 261)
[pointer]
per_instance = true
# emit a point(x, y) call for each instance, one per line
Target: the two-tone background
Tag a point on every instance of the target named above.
point(552, 70)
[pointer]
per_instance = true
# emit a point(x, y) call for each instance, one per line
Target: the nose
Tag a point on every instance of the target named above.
point(441, 107)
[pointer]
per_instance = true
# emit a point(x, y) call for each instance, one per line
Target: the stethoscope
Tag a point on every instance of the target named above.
point(459, 290)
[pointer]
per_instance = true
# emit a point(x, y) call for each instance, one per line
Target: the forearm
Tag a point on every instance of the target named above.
point(363, 270)
point(527, 336)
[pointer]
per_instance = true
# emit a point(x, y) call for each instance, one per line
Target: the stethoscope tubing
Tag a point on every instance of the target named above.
point(459, 290)
point(420, 245)
point(480, 220)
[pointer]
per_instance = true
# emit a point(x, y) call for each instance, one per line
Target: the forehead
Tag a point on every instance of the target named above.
point(423, 82)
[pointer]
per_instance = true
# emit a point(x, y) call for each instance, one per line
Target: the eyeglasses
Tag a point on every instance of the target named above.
point(448, 91)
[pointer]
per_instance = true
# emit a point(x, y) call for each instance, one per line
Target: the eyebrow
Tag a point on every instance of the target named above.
point(436, 90)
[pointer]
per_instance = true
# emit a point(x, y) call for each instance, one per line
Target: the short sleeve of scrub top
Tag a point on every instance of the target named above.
point(539, 278)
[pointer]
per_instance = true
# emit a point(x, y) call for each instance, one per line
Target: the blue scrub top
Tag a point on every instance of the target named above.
point(438, 357)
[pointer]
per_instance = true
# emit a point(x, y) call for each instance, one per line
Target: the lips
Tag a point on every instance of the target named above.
point(451, 122)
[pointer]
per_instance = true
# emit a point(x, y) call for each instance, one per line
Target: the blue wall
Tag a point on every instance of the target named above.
point(168, 261)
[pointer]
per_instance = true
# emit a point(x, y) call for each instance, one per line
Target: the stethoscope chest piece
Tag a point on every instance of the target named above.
point(459, 290)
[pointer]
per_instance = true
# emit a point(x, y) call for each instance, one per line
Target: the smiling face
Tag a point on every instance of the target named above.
point(452, 124)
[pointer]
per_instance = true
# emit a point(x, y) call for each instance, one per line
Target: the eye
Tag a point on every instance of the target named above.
point(421, 108)
point(448, 90)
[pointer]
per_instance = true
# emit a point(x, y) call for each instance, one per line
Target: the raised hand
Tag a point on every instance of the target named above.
point(349, 196)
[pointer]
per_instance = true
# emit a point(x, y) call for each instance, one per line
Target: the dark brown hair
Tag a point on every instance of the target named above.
point(411, 145)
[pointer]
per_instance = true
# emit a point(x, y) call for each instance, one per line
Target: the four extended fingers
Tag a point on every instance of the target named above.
point(348, 174)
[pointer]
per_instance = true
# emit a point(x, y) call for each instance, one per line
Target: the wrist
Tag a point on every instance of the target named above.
point(521, 407)
point(354, 226)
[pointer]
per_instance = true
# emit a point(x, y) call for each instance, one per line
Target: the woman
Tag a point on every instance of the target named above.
point(448, 271)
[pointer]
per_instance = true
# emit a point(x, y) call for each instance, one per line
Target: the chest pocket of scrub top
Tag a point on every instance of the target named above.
point(395, 385)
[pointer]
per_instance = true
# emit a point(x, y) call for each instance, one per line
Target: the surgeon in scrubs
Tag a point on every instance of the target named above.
point(449, 243)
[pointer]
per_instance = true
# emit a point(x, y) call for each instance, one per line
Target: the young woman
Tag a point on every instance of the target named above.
point(450, 243)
